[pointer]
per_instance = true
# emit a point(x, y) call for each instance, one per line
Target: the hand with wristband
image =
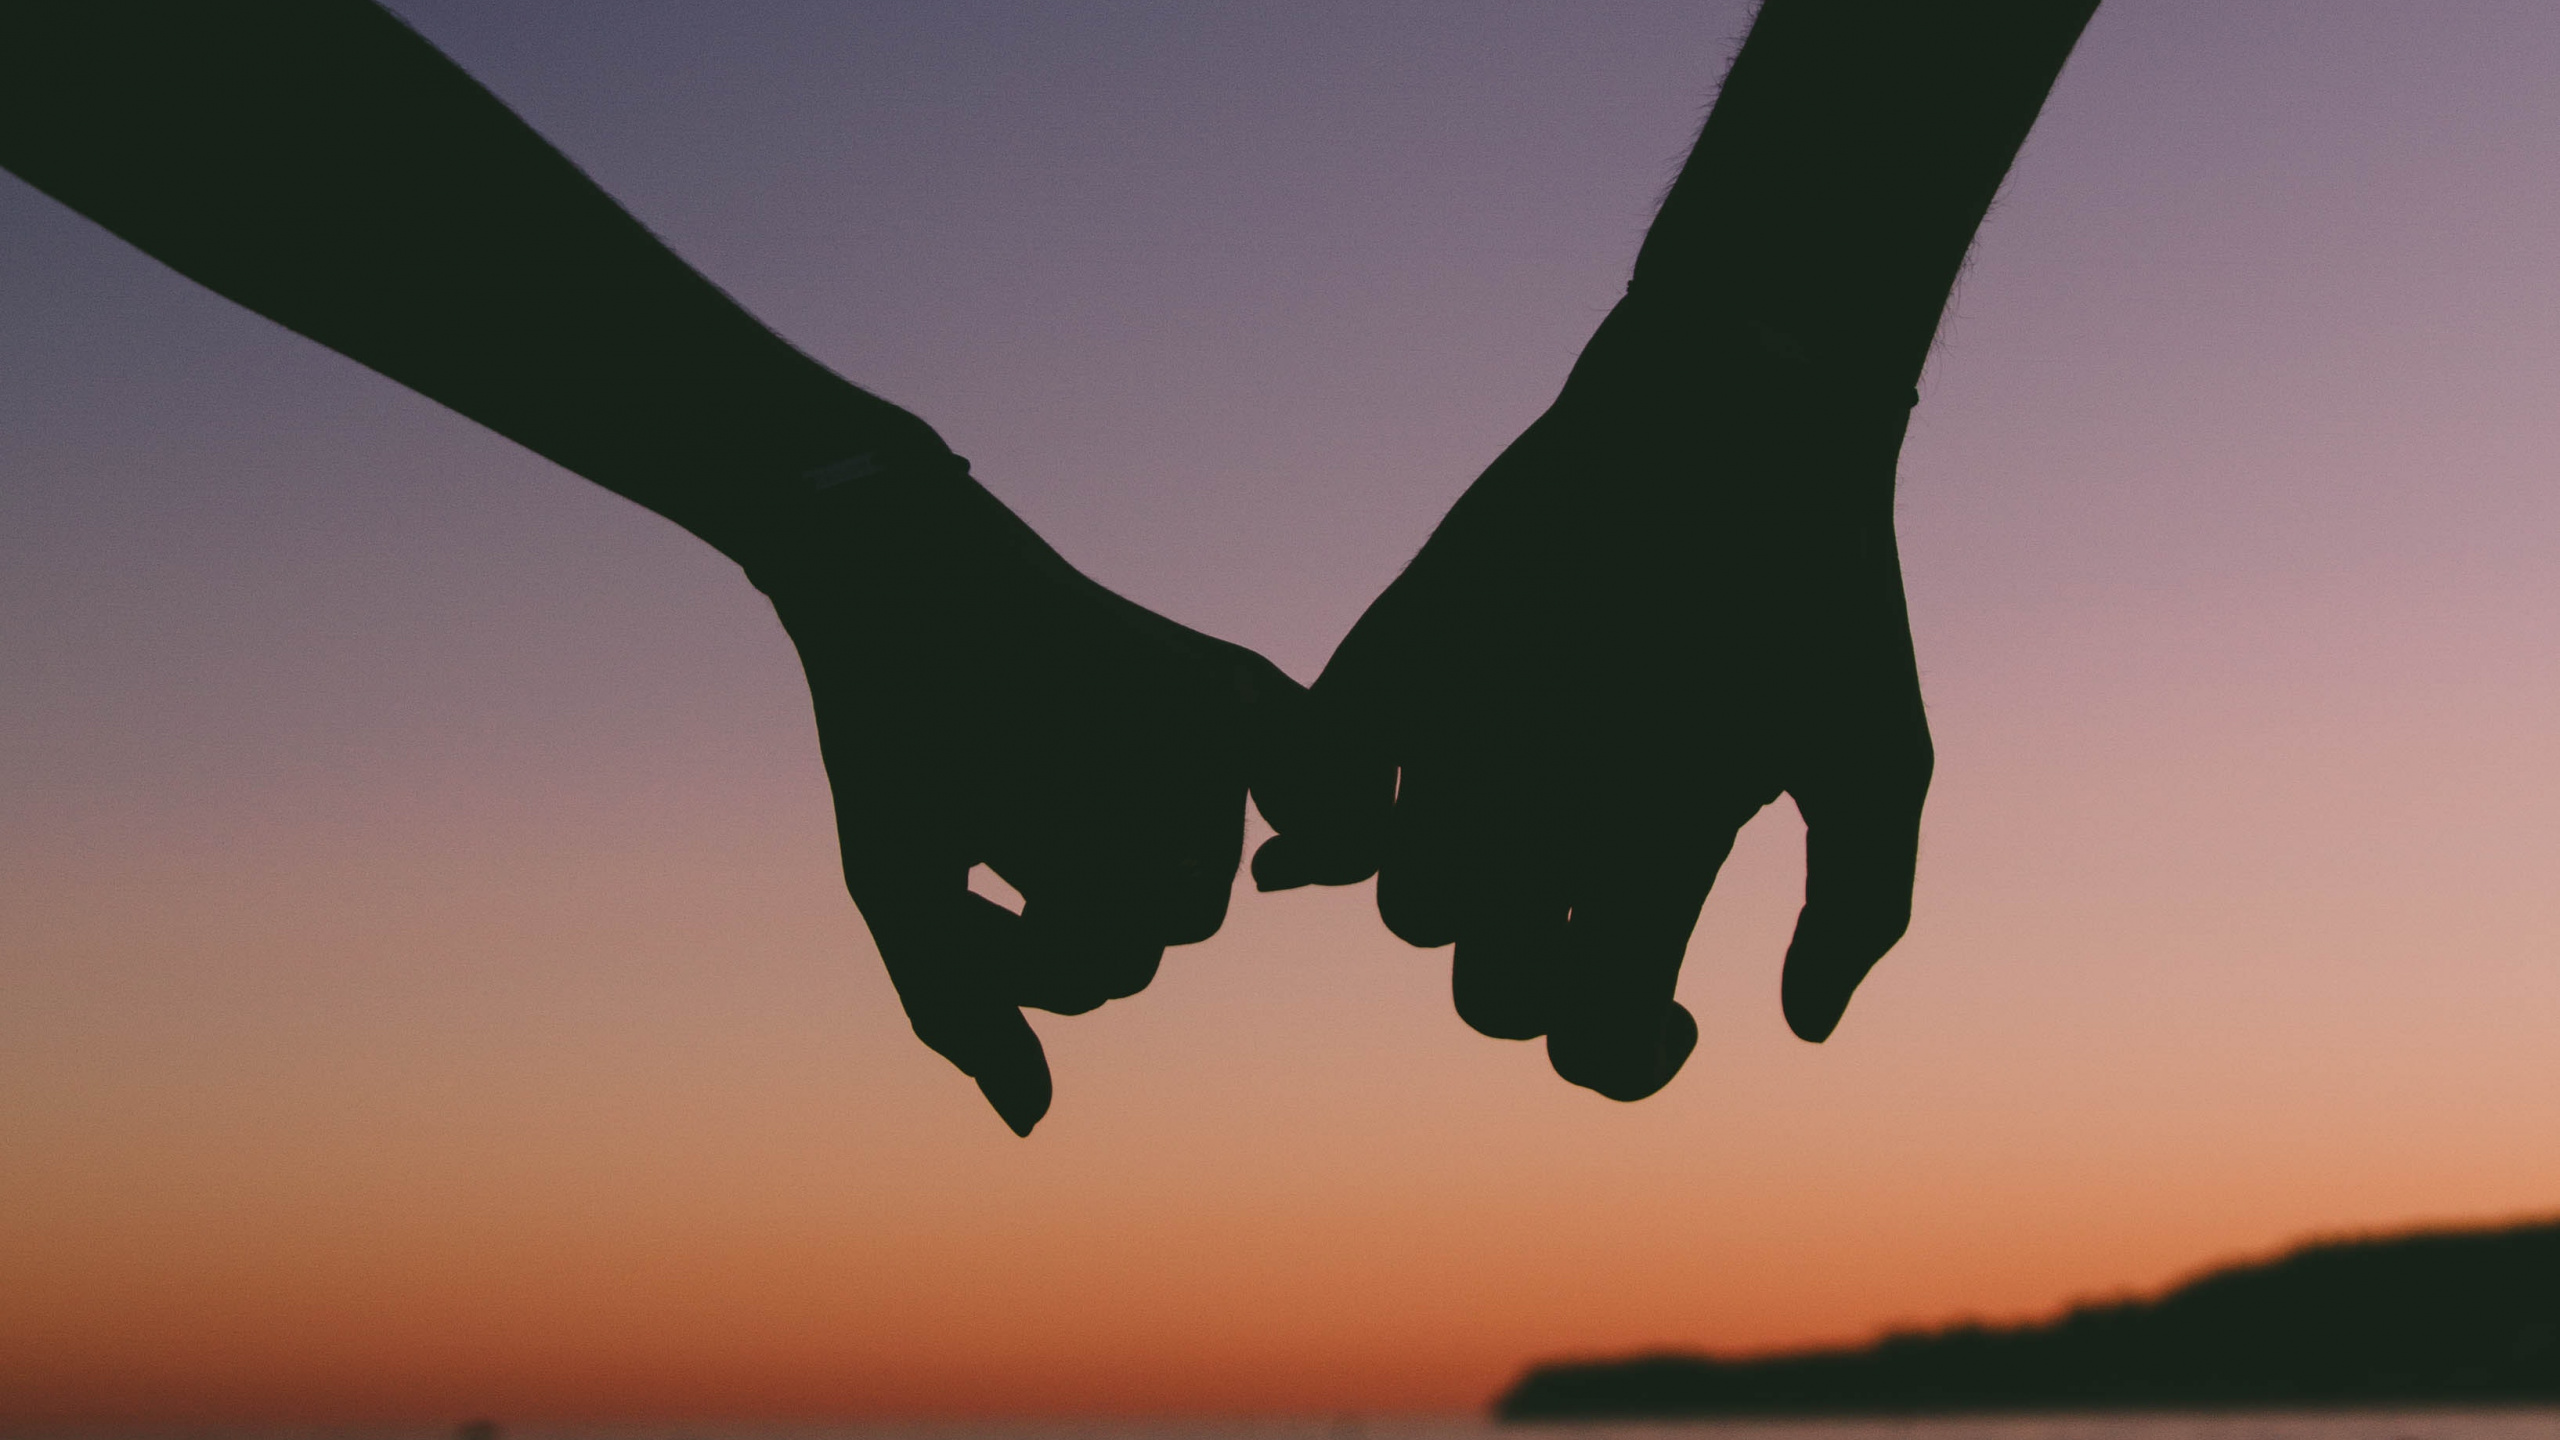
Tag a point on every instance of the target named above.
point(981, 701)
point(977, 699)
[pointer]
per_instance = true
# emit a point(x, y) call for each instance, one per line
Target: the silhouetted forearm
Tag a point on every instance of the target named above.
point(321, 164)
point(1850, 157)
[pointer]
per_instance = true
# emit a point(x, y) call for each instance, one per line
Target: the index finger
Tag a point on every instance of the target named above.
point(951, 955)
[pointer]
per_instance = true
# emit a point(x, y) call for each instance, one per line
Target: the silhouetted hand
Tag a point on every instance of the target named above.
point(1674, 597)
point(980, 701)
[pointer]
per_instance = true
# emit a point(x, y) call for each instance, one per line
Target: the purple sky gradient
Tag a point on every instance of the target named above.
point(417, 861)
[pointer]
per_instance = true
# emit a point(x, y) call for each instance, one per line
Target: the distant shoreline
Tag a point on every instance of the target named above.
point(2549, 1404)
point(2434, 1319)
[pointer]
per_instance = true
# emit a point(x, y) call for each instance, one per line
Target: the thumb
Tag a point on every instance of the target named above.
point(1862, 850)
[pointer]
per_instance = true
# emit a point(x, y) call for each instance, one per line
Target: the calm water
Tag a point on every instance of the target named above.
point(2504, 1424)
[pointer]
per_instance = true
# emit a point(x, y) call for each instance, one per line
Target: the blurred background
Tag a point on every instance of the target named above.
point(425, 984)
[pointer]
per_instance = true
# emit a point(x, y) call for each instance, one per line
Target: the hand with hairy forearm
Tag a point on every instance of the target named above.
point(978, 700)
point(1677, 594)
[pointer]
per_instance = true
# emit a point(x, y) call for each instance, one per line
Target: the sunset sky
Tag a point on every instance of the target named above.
point(426, 988)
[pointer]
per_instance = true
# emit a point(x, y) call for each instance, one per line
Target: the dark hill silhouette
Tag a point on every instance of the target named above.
point(2431, 1317)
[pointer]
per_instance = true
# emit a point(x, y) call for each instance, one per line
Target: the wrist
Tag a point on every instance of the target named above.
point(867, 505)
point(1733, 418)
point(1662, 334)
point(784, 486)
